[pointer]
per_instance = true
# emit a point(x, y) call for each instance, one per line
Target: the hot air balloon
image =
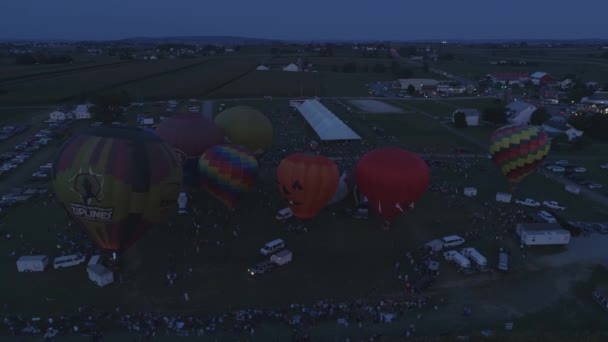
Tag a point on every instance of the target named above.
point(190, 134)
point(342, 190)
point(392, 179)
point(227, 171)
point(247, 127)
point(117, 183)
point(307, 182)
point(518, 149)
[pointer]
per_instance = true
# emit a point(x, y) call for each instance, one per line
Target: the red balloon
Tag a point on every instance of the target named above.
point(190, 134)
point(392, 179)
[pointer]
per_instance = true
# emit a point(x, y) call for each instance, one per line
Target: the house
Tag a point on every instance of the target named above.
point(558, 125)
point(542, 78)
point(262, 68)
point(291, 67)
point(471, 115)
point(57, 116)
point(420, 84)
point(519, 113)
point(597, 98)
point(82, 112)
point(508, 78)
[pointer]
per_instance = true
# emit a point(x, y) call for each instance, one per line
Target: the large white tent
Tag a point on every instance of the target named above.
point(325, 123)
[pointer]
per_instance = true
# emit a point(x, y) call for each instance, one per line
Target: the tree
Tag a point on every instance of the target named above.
point(460, 120)
point(380, 68)
point(107, 106)
point(411, 89)
point(425, 67)
point(364, 68)
point(539, 116)
point(495, 115)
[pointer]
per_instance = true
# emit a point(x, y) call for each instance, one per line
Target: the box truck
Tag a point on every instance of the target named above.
point(32, 263)
point(479, 260)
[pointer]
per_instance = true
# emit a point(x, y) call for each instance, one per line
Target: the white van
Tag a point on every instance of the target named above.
point(32, 263)
point(272, 246)
point(284, 214)
point(68, 261)
point(452, 240)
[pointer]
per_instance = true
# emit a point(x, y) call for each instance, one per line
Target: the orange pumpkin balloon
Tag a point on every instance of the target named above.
point(307, 182)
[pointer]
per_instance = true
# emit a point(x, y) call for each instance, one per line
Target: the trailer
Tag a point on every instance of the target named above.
point(479, 260)
point(282, 258)
point(503, 197)
point(32, 263)
point(542, 234)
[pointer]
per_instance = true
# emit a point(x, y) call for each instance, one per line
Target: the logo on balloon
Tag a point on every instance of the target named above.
point(89, 186)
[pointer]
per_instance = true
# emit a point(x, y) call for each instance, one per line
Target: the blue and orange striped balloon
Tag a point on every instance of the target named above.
point(519, 149)
point(227, 171)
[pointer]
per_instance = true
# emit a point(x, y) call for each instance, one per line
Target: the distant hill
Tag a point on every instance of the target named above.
point(213, 40)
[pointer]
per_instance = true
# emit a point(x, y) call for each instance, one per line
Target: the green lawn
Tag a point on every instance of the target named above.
point(340, 257)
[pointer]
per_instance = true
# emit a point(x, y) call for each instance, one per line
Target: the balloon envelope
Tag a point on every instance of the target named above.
point(307, 182)
point(392, 179)
point(117, 182)
point(227, 171)
point(519, 149)
point(247, 127)
point(190, 134)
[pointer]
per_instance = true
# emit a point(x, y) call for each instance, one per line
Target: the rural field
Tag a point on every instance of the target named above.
point(339, 257)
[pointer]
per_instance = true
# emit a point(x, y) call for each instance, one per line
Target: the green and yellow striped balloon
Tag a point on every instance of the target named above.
point(117, 182)
point(519, 149)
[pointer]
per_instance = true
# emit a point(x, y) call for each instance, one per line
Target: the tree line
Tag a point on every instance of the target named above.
point(41, 58)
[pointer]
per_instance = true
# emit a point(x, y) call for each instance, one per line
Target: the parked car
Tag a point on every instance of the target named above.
point(261, 267)
point(528, 202)
point(562, 162)
point(594, 186)
point(545, 216)
point(580, 169)
point(553, 205)
point(556, 168)
point(604, 166)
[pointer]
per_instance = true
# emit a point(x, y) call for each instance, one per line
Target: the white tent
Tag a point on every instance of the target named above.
point(291, 67)
point(325, 123)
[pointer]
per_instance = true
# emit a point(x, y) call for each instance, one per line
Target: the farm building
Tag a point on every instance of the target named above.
point(262, 68)
point(558, 125)
point(542, 78)
point(519, 78)
point(291, 67)
point(519, 113)
point(420, 84)
point(325, 123)
point(57, 116)
point(471, 115)
point(82, 112)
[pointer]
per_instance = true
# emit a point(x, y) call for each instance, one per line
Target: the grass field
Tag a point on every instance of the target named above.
point(339, 257)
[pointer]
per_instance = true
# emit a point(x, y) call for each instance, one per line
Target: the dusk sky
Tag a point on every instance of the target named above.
point(312, 19)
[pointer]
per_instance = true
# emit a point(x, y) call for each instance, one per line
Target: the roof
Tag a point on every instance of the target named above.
point(468, 111)
point(419, 81)
point(98, 269)
point(325, 123)
point(518, 106)
point(538, 74)
point(545, 228)
point(509, 76)
point(32, 258)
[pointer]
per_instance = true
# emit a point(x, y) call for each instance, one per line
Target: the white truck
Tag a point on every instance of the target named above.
point(458, 259)
point(528, 202)
point(32, 263)
point(282, 258)
point(479, 260)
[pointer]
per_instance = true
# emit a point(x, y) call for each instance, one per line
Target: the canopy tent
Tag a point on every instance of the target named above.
point(325, 123)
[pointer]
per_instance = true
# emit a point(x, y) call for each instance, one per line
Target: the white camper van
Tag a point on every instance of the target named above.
point(284, 214)
point(457, 258)
point(272, 247)
point(282, 258)
point(452, 240)
point(68, 261)
point(479, 260)
point(32, 263)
